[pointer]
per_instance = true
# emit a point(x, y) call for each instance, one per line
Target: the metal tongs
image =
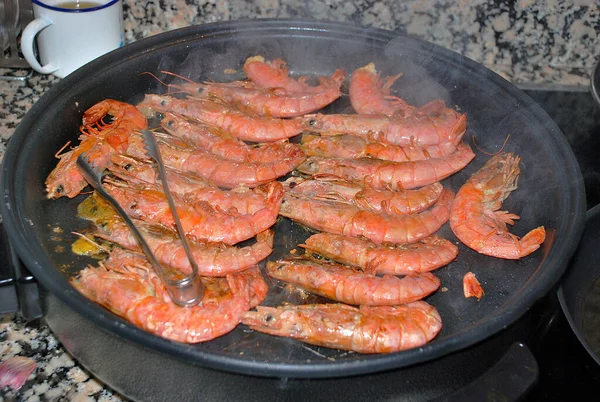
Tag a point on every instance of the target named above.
point(184, 292)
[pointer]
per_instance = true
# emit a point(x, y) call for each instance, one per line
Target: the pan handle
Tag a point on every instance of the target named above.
point(510, 379)
point(19, 290)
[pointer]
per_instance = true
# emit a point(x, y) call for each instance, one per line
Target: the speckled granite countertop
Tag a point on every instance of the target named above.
point(543, 43)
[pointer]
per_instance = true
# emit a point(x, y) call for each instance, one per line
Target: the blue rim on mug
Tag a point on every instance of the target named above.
point(74, 10)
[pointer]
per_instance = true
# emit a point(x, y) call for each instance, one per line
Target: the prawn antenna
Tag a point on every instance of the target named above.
point(489, 153)
point(91, 241)
point(155, 77)
point(57, 154)
point(181, 77)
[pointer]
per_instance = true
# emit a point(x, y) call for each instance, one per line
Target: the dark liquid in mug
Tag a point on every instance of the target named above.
point(77, 5)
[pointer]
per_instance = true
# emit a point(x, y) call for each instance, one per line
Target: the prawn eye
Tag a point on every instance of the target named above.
point(293, 184)
point(171, 123)
point(127, 167)
point(60, 189)
point(164, 102)
point(312, 122)
point(269, 318)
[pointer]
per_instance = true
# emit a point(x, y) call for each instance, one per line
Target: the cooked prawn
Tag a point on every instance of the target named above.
point(395, 259)
point(275, 102)
point(431, 124)
point(136, 294)
point(140, 171)
point(475, 217)
point(352, 146)
point(98, 140)
point(189, 187)
point(213, 259)
point(368, 329)
point(230, 120)
point(216, 142)
point(66, 179)
point(391, 175)
point(227, 173)
point(216, 170)
point(125, 119)
point(370, 94)
point(346, 219)
point(275, 74)
point(344, 284)
point(333, 188)
point(200, 220)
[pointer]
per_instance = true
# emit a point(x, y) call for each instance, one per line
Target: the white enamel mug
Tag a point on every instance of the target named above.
point(71, 33)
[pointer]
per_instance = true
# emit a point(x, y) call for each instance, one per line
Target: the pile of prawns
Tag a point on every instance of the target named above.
point(368, 183)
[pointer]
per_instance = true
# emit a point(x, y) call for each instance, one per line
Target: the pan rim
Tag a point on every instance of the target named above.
point(559, 254)
point(564, 305)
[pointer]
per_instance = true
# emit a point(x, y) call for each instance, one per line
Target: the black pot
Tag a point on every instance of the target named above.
point(579, 292)
point(550, 193)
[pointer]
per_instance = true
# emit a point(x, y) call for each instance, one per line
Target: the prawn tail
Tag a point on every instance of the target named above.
point(238, 284)
point(459, 128)
point(275, 193)
point(266, 237)
point(532, 240)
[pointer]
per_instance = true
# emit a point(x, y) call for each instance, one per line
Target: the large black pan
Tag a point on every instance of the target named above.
point(550, 190)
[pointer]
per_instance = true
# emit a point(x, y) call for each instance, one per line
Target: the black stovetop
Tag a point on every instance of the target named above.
point(566, 370)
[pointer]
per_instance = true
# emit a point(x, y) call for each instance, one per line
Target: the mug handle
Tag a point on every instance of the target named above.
point(27, 40)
